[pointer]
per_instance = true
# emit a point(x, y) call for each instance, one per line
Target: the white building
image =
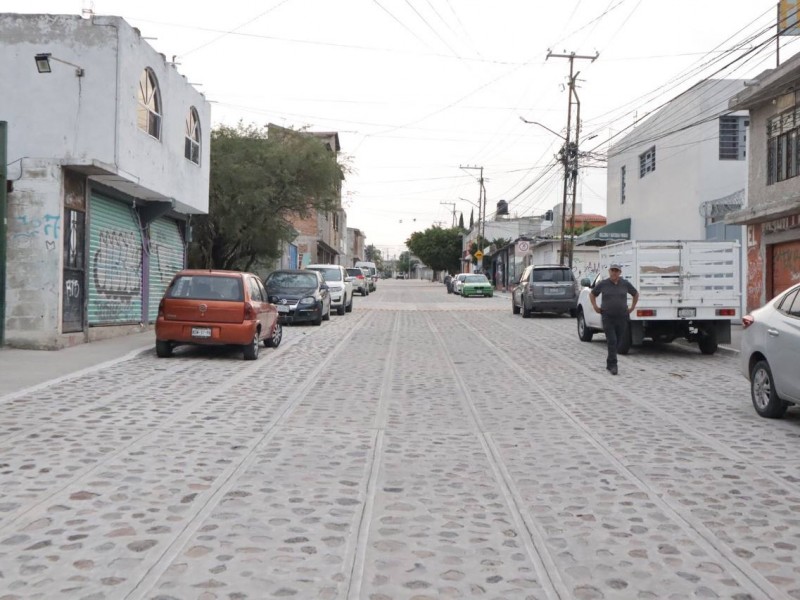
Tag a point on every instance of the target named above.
point(108, 157)
point(677, 173)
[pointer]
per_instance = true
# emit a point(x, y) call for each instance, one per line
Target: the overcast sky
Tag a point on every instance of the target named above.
point(418, 89)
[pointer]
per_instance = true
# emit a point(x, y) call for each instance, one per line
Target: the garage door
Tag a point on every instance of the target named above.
point(166, 259)
point(785, 266)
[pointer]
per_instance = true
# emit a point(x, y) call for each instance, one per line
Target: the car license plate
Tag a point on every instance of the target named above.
point(687, 312)
point(201, 332)
point(552, 291)
point(282, 308)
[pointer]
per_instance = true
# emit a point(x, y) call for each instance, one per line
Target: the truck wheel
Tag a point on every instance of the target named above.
point(584, 333)
point(708, 342)
point(762, 391)
point(514, 307)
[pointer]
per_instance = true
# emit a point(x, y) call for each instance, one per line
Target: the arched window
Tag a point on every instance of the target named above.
point(192, 144)
point(148, 113)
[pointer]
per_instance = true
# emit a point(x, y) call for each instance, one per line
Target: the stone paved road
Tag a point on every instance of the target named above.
point(424, 446)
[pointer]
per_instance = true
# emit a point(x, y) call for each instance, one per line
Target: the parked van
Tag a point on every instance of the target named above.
point(372, 270)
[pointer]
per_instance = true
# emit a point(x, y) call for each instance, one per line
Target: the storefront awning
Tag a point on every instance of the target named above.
point(617, 231)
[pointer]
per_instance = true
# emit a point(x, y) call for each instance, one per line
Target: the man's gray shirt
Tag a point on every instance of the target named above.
point(615, 296)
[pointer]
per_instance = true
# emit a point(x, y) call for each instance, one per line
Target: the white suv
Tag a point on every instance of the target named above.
point(340, 289)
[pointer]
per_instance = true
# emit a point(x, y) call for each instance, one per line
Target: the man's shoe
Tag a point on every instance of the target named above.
point(613, 369)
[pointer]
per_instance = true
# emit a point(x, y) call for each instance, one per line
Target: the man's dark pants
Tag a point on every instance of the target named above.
point(615, 328)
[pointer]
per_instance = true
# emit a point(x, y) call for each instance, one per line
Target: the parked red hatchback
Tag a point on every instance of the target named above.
point(217, 308)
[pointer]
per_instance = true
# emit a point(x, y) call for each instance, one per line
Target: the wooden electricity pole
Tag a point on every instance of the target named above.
point(569, 154)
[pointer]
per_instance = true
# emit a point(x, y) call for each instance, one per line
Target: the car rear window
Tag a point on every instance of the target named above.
point(552, 275)
point(206, 287)
point(329, 274)
point(355, 272)
point(292, 280)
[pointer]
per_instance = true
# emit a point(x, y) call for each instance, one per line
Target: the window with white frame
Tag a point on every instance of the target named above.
point(647, 162)
point(733, 138)
point(148, 113)
point(192, 142)
point(622, 184)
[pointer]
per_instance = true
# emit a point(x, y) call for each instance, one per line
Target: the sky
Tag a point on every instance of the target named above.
point(423, 93)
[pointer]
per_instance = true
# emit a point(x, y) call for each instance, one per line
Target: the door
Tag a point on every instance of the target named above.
point(785, 266)
point(115, 263)
point(166, 257)
point(784, 346)
point(72, 314)
point(592, 318)
point(518, 292)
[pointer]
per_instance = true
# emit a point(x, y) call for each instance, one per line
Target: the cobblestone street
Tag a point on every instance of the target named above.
point(424, 446)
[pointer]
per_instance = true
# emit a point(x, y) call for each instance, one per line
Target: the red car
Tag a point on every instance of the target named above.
point(217, 308)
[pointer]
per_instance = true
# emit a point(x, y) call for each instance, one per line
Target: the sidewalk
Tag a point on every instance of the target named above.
point(21, 369)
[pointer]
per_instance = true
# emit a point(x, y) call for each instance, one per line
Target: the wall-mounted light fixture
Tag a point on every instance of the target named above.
point(43, 64)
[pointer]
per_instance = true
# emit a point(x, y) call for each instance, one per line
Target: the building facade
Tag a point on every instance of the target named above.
point(676, 174)
point(356, 246)
point(108, 151)
point(772, 212)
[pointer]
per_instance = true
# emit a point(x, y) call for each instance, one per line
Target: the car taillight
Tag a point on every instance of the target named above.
point(645, 312)
point(726, 312)
point(747, 320)
point(249, 311)
point(359, 277)
point(161, 308)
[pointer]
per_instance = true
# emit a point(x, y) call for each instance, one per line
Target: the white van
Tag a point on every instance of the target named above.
point(372, 271)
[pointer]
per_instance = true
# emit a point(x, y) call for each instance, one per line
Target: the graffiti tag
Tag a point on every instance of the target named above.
point(117, 265)
point(47, 226)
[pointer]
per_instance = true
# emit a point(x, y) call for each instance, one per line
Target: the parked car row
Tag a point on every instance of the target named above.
point(214, 308)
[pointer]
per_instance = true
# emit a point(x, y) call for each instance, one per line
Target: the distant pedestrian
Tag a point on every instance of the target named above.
point(614, 310)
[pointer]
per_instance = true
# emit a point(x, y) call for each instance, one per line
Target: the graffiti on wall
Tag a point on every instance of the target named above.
point(787, 260)
point(117, 266)
point(26, 227)
point(755, 268)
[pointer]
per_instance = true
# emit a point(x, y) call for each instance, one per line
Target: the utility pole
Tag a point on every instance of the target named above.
point(481, 204)
point(569, 155)
point(453, 204)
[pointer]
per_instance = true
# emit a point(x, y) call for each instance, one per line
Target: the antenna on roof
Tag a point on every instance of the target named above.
point(87, 12)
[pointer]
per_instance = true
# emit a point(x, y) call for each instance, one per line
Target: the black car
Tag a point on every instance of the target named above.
point(299, 296)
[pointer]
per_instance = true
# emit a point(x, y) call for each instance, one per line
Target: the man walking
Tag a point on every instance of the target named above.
point(615, 311)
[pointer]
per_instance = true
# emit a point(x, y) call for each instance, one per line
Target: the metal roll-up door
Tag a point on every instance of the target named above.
point(785, 266)
point(166, 258)
point(115, 263)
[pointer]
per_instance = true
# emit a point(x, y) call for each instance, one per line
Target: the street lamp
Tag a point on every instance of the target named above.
point(43, 64)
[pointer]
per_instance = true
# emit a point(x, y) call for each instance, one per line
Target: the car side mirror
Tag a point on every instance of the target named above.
point(586, 282)
point(324, 287)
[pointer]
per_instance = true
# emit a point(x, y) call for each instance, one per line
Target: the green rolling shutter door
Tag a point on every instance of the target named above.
point(166, 259)
point(115, 262)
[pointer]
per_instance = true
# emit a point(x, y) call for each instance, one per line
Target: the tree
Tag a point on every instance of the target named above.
point(471, 219)
point(438, 248)
point(257, 183)
point(374, 254)
point(461, 221)
point(405, 263)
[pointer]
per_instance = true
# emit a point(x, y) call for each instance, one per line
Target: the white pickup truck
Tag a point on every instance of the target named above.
point(687, 289)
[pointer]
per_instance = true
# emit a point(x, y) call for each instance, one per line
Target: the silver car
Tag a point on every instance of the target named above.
point(770, 351)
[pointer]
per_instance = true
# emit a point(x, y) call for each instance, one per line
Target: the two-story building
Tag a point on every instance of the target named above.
point(356, 247)
point(772, 213)
point(321, 235)
point(108, 152)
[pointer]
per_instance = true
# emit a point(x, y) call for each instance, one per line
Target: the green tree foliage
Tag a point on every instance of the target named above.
point(471, 219)
point(461, 221)
point(257, 183)
point(438, 248)
point(405, 262)
point(374, 254)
